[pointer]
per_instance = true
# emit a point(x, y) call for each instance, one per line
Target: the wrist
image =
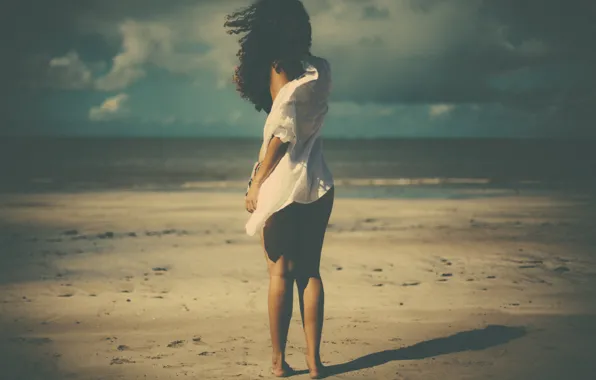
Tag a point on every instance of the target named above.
point(257, 182)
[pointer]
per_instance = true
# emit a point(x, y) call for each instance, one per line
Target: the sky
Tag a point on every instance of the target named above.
point(401, 68)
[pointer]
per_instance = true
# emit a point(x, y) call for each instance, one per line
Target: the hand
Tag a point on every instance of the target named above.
point(251, 197)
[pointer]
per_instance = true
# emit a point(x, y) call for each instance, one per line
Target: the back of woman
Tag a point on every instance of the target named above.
point(290, 194)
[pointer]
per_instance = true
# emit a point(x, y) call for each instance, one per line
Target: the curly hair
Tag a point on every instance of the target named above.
point(276, 33)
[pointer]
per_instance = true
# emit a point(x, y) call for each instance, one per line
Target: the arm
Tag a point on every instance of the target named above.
point(276, 148)
point(275, 151)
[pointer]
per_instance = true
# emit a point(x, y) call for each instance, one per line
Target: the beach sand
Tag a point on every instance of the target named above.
point(165, 285)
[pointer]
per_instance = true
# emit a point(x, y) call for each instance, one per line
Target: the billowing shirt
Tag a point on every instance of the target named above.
point(296, 117)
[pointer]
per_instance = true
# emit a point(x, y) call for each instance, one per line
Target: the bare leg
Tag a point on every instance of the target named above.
point(312, 305)
point(280, 300)
point(313, 224)
point(280, 314)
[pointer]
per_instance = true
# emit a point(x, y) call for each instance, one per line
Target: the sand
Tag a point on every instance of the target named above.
point(164, 285)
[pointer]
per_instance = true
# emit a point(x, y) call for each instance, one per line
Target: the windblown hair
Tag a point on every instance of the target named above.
point(276, 33)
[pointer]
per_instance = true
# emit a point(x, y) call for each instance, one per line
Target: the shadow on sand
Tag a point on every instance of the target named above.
point(490, 336)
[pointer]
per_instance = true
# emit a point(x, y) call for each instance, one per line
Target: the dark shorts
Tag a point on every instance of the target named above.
point(298, 230)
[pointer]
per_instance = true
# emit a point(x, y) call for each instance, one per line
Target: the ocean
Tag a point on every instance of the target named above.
point(362, 168)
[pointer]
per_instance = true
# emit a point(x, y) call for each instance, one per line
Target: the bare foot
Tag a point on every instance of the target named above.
point(315, 371)
point(316, 374)
point(282, 371)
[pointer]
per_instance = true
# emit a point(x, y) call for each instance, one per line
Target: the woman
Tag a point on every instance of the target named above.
point(290, 195)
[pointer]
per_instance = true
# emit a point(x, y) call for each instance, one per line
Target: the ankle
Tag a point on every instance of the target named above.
point(314, 361)
point(277, 358)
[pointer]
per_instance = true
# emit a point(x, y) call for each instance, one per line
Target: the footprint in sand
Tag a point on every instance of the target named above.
point(445, 261)
point(158, 271)
point(206, 353)
point(156, 357)
point(561, 270)
point(126, 287)
point(106, 310)
point(176, 344)
point(528, 264)
point(246, 364)
point(413, 283)
point(106, 235)
point(121, 361)
point(180, 365)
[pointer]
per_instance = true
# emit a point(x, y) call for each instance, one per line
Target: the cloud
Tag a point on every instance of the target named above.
point(438, 110)
point(183, 43)
point(414, 51)
point(443, 53)
point(139, 43)
point(170, 120)
point(112, 108)
point(372, 12)
point(347, 109)
point(144, 44)
point(69, 72)
point(234, 117)
point(383, 52)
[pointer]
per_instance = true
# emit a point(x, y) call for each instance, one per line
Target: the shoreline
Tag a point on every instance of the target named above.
point(390, 188)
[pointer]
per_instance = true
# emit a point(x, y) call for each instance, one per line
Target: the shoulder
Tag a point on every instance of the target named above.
point(323, 68)
point(322, 63)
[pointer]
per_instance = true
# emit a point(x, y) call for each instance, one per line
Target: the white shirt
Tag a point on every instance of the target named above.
point(296, 117)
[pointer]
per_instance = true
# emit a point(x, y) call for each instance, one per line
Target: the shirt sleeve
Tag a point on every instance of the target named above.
point(285, 128)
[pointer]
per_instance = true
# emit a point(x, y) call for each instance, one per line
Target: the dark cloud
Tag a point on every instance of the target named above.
point(375, 41)
point(567, 25)
point(536, 35)
point(37, 27)
point(540, 33)
point(371, 12)
point(34, 31)
point(423, 5)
